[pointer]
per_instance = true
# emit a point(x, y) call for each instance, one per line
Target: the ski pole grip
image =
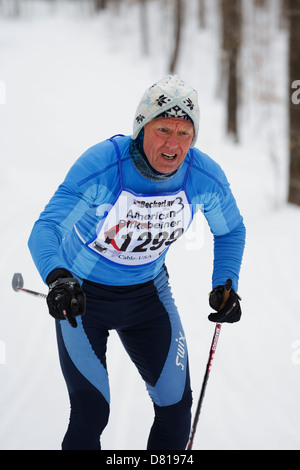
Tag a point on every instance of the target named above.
point(227, 289)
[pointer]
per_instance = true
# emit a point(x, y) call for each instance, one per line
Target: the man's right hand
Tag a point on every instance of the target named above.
point(66, 299)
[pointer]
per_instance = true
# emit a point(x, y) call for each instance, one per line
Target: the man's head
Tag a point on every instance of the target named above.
point(167, 142)
point(169, 114)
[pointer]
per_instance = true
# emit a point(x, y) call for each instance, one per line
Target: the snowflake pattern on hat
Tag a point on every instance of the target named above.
point(169, 97)
point(175, 112)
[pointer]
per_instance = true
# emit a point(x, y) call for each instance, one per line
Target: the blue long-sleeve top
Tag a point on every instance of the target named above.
point(62, 236)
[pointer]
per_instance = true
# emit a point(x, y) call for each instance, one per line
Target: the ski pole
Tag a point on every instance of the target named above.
point(212, 351)
point(18, 283)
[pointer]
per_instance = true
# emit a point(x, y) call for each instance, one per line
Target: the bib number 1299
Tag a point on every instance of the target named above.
point(146, 241)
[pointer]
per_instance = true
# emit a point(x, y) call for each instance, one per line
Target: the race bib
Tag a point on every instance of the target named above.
point(138, 229)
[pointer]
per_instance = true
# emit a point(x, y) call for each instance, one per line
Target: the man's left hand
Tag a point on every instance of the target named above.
point(231, 312)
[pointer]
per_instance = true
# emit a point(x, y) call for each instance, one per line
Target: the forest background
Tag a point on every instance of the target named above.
point(71, 75)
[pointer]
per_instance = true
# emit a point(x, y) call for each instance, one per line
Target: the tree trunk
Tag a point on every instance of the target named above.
point(144, 27)
point(100, 4)
point(260, 3)
point(294, 103)
point(284, 14)
point(178, 20)
point(202, 14)
point(231, 25)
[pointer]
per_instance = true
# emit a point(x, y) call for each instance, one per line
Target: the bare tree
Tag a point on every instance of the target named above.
point(144, 27)
point(284, 14)
point(100, 4)
point(294, 106)
point(260, 3)
point(231, 43)
point(11, 7)
point(178, 22)
point(202, 13)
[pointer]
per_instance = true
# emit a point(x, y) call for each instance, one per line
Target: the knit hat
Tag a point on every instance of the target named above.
point(170, 97)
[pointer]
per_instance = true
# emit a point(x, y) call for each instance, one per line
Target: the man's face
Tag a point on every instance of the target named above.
point(167, 142)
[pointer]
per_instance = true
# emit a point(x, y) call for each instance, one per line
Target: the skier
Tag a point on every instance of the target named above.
point(100, 246)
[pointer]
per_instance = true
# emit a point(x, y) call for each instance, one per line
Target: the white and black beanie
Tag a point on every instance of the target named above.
point(170, 97)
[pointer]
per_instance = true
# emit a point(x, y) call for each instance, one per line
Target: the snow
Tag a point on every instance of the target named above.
point(72, 79)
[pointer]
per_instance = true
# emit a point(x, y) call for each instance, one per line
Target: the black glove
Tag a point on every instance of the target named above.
point(65, 300)
point(231, 312)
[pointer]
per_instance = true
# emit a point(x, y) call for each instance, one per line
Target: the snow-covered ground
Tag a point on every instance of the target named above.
point(72, 80)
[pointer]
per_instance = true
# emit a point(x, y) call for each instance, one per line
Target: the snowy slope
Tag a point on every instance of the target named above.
point(67, 88)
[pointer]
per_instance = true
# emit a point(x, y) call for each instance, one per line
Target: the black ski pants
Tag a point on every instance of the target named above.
point(147, 322)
